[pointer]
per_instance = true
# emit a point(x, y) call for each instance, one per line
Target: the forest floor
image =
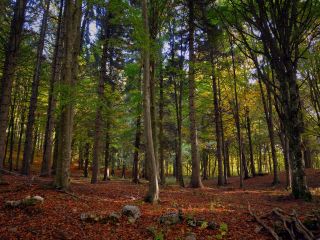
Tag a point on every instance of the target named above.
point(58, 217)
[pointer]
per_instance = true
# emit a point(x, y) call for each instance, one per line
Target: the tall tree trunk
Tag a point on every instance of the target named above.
point(153, 192)
point(195, 175)
point(12, 126)
point(178, 94)
point(217, 119)
point(55, 76)
point(72, 18)
point(106, 175)
point(22, 119)
point(161, 143)
point(86, 159)
point(135, 169)
point(236, 116)
point(11, 54)
point(267, 106)
point(97, 153)
point(248, 121)
point(28, 145)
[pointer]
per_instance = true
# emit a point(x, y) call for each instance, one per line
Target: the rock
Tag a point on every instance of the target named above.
point(191, 236)
point(89, 217)
point(132, 212)
point(27, 201)
point(13, 204)
point(114, 217)
point(212, 225)
point(171, 218)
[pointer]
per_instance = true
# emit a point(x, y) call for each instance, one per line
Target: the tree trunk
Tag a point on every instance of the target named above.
point(217, 119)
point(86, 159)
point(161, 143)
point(28, 145)
point(55, 76)
point(253, 170)
point(236, 117)
point(22, 119)
point(72, 18)
point(153, 192)
point(267, 106)
point(195, 174)
point(106, 175)
point(97, 153)
point(10, 160)
point(135, 169)
point(11, 54)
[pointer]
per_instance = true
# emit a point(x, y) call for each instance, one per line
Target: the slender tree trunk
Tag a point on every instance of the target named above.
point(244, 161)
point(28, 145)
point(55, 76)
point(107, 153)
point(195, 175)
point(12, 126)
point(267, 106)
point(135, 169)
point(11, 54)
point(236, 117)
point(99, 121)
point(205, 165)
point(217, 119)
point(253, 170)
point(22, 119)
point(86, 159)
point(153, 192)
point(161, 143)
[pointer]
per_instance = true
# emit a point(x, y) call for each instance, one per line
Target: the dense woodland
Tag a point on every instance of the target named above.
point(192, 94)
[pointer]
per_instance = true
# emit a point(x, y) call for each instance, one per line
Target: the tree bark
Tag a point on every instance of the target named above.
point(253, 170)
point(153, 192)
point(236, 117)
point(195, 174)
point(11, 54)
point(106, 175)
point(97, 153)
point(267, 106)
point(28, 145)
point(55, 76)
point(135, 169)
point(72, 18)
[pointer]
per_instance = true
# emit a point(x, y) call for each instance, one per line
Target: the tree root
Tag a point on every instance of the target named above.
point(293, 227)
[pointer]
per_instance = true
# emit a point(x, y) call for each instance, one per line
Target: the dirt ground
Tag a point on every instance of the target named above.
point(58, 217)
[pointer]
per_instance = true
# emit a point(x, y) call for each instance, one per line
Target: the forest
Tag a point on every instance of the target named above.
point(160, 119)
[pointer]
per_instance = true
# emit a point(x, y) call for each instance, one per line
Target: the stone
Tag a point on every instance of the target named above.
point(114, 217)
point(27, 201)
point(171, 218)
point(212, 225)
point(132, 212)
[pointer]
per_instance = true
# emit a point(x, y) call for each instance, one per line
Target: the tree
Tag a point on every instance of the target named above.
point(28, 145)
point(282, 27)
point(71, 36)
point(195, 176)
point(153, 192)
point(11, 54)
